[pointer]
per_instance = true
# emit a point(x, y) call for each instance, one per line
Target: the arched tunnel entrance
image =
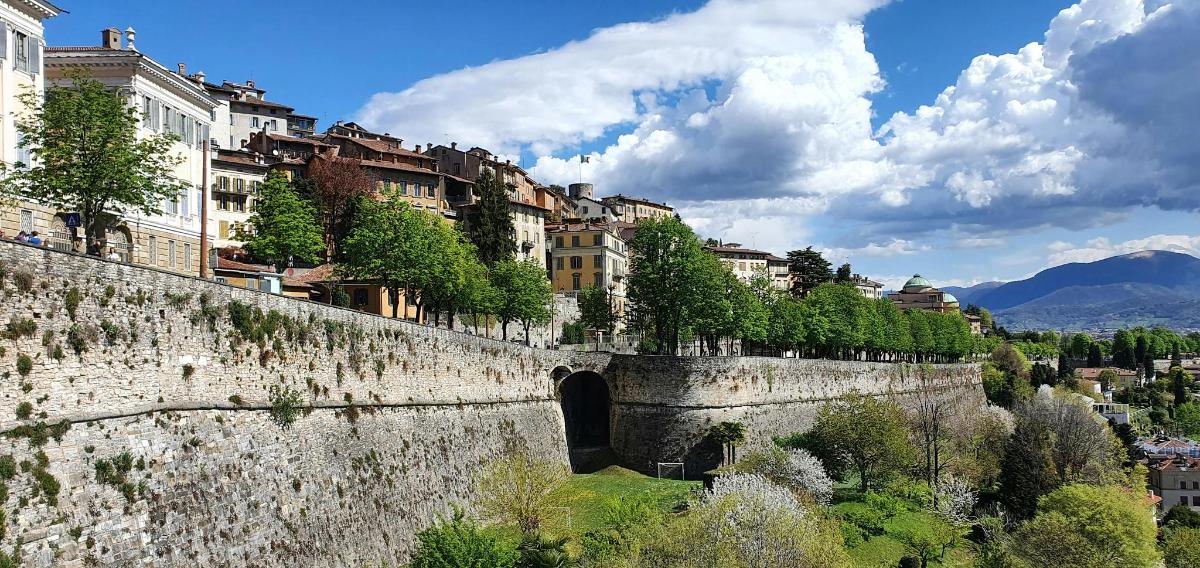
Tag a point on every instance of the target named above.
point(587, 409)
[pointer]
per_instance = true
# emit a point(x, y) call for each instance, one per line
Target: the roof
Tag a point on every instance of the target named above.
point(1177, 463)
point(260, 102)
point(737, 250)
point(619, 197)
point(320, 273)
point(226, 264)
point(1094, 372)
point(947, 298)
point(918, 282)
point(574, 227)
point(298, 115)
point(241, 158)
point(397, 166)
point(379, 146)
point(296, 139)
point(528, 204)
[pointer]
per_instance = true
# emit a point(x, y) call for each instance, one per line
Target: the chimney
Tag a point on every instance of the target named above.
point(429, 146)
point(417, 148)
point(250, 83)
point(110, 38)
point(182, 70)
point(454, 145)
point(200, 76)
point(129, 33)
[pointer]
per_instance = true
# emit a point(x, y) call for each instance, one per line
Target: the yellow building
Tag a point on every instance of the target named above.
point(588, 254)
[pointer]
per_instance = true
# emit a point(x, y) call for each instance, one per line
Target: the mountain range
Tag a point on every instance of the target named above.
point(1143, 288)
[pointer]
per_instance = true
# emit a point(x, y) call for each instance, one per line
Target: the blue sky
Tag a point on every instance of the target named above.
point(777, 123)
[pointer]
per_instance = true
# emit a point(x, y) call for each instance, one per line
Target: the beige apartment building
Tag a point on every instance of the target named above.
point(170, 103)
point(634, 209)
point(236, 181)
point(745, 263)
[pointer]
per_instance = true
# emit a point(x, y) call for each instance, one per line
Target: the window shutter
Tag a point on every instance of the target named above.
point(35, 55)
point(3, 39)
point(155, 115)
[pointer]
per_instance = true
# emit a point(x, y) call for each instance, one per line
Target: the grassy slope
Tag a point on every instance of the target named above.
point(587, 495)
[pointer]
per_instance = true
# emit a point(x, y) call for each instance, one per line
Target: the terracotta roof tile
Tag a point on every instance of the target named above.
point(226, 264)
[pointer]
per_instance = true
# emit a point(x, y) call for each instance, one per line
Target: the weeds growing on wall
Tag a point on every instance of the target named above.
point(286, 405)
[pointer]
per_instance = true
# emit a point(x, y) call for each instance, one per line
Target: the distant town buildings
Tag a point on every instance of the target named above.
point(588, 254)
point(918, 294)
point(1177, 481)
point(634, 209)
point(870, 289)
point(747, 263)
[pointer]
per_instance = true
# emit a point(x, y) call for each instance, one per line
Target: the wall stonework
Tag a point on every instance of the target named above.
point(399, 416)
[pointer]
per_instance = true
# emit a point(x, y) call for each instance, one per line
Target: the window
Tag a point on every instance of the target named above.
point(27, 220)
point(575, 240)
point(558, 242)
point(585, 209)
point(187, 256)
point(457, 168)
point(184, 204)
point(223, 183)
point(1196, 485)
point(147, 119)
point(239, 185)
point(360, 296)
point(403, 188)
point(255, 186)
point(24, 153)
point(171, 206)
point(598, 279)
point(558, 263)
point(597, 261)
point(21, 59)
point(1196, 500)
point(741, 267)
point(232, 119)
point(576, 262)
point(597, 239)
point(1183, 485)
point(223, 230)
point(254, 122)
point(271, 125)
point(152, 251)
point(171, 253)
point(575, 281)
point(239, 204)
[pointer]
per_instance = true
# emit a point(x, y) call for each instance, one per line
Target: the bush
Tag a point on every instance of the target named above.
point(8, 467)
point(459, 543)
point(24, 410)
point(340, 297)
point(286, 405)
point(24, 364)
point(516, 489)
point(795, 469)
point(572, 333)
point(71, 302)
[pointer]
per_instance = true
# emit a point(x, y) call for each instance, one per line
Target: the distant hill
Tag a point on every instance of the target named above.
point(967, 295)
point(1141, 288)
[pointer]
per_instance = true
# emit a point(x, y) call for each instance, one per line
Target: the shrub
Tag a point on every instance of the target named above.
point(115, 472)
point(177, 300)
point(24, 410)
point(286, 405)
point(795, 469)
point(459, 543)
point(24, 364)
point(188, 371)
point(71, 302)
point(236, 399)
point(516, 489)
point(340, 297)
point(8, 467)
point(23, 280)
point(18, 328)
point(79, 337)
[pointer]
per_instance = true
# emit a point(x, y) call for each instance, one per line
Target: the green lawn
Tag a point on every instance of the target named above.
point(886, 550)
point(584, 498)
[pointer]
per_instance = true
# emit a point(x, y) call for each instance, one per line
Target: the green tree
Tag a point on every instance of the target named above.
point(871, 434)
point(1181, 516)
point(1124, 350)
point(667, 286)
point(928, 540)
point(729, 435)
point(1181, 547)
point(808, 269)
point(453, 281)
point(524, 294)
point(1090, 526)
point(1187, 419)
point(1180, 381)
point(87, 156)
point(1081, 344)
point(596, 309)
point(1026, 470)
point(844, 274)
point(516, 489)
point(460, 543)
point(490, 223)
point(283, 225)
point(390, 244)
point(1095, 357)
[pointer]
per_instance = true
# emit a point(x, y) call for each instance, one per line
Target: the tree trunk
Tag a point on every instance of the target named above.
point(504, 329)
point(394, 296)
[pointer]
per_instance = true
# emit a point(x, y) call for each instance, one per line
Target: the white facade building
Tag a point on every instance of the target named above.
point(170, 104)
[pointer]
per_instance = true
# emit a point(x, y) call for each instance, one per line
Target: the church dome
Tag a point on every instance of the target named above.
point(917, 284)
point(948, 298)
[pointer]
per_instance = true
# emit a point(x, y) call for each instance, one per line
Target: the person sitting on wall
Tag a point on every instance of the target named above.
point(34, 239)
point(94, 248)
point(21, 237)
point(112, 255)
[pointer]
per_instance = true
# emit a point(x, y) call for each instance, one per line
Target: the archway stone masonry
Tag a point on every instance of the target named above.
point(153, 411)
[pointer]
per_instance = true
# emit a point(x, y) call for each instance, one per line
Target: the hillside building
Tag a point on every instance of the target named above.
point(919, 294)
point(634, 209)
point(588, 254)
point(745, 263)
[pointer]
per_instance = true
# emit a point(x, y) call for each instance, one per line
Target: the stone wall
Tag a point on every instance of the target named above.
point(103, 360)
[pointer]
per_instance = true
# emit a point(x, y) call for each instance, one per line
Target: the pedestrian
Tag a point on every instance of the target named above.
point(21, 237)
point(94, 248)
point(34, 239)
point(112, 255)
point(77, 245)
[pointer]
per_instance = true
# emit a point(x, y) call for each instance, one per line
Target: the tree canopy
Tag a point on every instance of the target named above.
point(87, 156)
point(283, 225)
point(489, 222)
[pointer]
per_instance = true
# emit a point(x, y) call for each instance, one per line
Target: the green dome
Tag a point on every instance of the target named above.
point(948, 298)
point(917, 283)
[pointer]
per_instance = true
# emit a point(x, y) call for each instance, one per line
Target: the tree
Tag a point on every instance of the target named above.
point(1065, 370)
point(490, 223)
point(1089, 526)
point(729, 435)
point(1124, 350)
point(1187, 419)
point(516, 489)
point(1026, 471)
point(1010, 360)
point(844, 274)
point(928, 540)
point(460, 543)
point(1176, 356)
point(1181, 547)
point(1108, 379)
point(87, 156)
point(524, 294)
point(1180, 381)
point(667, 286)
point(871, 434)
point(455, 277)
point(337, 183)
point(283, 226)
point(1094, 356)
point(389, 244)
point(808, 270)
point(596, 309)
point(1181, 516)
point(796, 469)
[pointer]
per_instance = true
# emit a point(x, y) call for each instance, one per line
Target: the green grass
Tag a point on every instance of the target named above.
point(588, 495)
point(886, 550)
